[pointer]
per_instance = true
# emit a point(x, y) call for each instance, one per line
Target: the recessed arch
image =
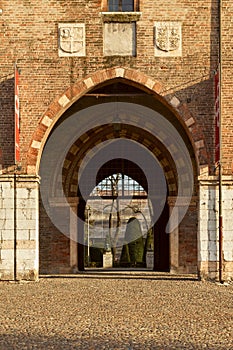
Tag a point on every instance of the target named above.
point(147, 95)
point(98, 135)
point(132, 77)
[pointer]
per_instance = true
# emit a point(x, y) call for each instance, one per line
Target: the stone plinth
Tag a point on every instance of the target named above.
point(150, 260)
point(107, 260)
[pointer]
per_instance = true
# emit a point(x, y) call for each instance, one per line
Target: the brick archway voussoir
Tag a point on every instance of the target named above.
point(83, 86)
point(195, 131)
point(73, 93)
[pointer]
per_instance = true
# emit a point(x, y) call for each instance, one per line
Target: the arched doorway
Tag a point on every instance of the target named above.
point(112, 113)
point(121, 194)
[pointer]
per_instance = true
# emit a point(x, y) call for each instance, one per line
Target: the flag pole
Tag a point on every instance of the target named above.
point(220, 148)
point(16, 110)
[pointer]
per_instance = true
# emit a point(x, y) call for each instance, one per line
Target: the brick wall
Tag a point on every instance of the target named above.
point(227, 86)
point(29, 35)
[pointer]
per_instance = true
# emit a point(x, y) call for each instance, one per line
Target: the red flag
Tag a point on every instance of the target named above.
point(17, 153)
point(217, 116)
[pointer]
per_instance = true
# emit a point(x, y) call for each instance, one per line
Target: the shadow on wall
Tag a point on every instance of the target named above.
point(7, 123)
point(194, 100)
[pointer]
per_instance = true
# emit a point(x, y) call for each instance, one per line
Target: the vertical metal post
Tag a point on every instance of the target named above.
point(220, 226)
point(220, 148)
point(88, 236)
point(15, 228)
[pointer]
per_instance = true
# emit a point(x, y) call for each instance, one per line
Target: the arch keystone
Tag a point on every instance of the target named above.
point(120, 72)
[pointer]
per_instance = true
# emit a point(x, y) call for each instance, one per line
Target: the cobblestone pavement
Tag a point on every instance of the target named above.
point(135, 311)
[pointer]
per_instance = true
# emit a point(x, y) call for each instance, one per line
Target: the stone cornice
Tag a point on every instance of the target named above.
point(213, 180)
point(121, 16)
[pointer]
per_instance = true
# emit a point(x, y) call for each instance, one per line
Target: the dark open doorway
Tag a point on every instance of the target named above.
point(121, 195)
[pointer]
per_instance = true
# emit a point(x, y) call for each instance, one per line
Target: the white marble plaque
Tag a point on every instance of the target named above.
point(168, 39)
point(71, 39)
point(119, 39)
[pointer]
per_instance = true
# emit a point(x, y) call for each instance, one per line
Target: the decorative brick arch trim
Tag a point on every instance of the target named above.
point(83, 86)
point(95, 137)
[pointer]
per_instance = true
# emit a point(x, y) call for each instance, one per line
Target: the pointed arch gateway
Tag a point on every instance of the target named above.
point(120, 100)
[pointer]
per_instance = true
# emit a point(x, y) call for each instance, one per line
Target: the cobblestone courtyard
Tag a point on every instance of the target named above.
point(133, 311)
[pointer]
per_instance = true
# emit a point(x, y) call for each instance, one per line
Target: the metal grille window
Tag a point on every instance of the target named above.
point(120, 5)
point(119, 185)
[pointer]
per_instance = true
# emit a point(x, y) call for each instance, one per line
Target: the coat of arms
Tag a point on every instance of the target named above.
point(167, 36)
point(71, 40)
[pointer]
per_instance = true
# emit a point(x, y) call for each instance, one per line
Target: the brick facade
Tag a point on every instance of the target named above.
point(180, 83)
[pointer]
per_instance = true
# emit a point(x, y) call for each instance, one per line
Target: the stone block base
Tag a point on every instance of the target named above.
point(19, 248)
point(209, 270)
point(150, 260)
point(107, 260)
